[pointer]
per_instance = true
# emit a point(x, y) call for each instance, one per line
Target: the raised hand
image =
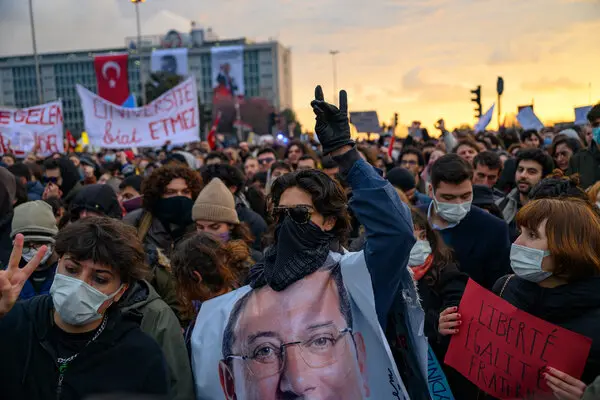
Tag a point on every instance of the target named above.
point(332, 125)
point(13, 278)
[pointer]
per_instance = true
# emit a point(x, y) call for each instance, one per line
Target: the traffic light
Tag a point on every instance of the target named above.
point(477, 100)
point(395, 120)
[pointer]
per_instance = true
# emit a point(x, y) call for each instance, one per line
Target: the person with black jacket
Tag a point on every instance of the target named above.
point(61, 179)
point(557, 279)
point(479, 240)
point(75, 343)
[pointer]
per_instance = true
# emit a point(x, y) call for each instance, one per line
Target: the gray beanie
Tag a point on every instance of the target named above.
point(215, 203)
point(35, 221)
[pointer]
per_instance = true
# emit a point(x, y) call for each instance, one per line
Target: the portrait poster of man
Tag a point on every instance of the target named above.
point(227, 65)
point(317, 339)
point(172, 61)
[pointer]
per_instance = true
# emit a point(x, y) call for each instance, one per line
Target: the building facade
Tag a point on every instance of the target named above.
point(267, 73)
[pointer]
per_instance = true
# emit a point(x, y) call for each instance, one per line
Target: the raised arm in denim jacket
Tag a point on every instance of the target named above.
point(388, 226)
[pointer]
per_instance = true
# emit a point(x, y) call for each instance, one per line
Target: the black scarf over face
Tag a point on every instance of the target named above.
point(299, 250)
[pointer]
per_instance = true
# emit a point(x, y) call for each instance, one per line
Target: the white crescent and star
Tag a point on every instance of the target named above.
point(111, 65)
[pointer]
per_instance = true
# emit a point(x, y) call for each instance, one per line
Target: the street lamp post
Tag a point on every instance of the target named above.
point(35, 54)
point(139, 47)
point(335, 92)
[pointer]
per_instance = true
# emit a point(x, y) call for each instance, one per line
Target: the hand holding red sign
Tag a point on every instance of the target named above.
point(506, 352)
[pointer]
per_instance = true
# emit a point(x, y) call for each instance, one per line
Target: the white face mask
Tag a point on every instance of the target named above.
point(76, 302)
point(28, 256)
point(527, 263)
point(598, 204)
point(419, 253)
point(452, 213)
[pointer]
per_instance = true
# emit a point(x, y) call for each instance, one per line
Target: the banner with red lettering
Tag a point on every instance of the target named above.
point(172, 117)
point(505, 351)
point(38, 129)
point(112, 77)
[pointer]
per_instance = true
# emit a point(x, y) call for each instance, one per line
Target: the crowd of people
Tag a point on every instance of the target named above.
point(107, 258)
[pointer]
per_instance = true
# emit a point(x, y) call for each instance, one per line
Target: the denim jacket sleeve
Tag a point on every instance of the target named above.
point(388, 226)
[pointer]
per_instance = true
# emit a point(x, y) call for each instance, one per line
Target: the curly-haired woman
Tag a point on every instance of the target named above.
point(205, 267)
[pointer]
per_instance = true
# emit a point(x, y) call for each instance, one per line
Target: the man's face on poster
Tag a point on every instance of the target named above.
point(321, 358)
point(168, 64)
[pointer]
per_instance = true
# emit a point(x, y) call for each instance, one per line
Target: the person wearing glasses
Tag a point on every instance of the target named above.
point(310, 322)
point(586, 163)
point(412, 159)
point(266, 157)
point(61, 179)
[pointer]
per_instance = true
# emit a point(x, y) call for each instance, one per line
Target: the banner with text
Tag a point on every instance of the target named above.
point(38, 128)
point(172, 117)
point(227, 64)
point(505, 351)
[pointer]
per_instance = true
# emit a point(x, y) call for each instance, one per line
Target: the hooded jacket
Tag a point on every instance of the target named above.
point(70, 179)
point(160, 323)
point(574, 306)
point(122, 359)
point(97, 198)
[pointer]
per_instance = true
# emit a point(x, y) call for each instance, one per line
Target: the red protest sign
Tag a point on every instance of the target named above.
point(504, 351)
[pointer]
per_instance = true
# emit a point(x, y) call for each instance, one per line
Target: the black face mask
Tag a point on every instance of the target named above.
point(175, 210)
point(299, 250)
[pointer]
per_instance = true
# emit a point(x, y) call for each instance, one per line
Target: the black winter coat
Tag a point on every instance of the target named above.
point(122, 359)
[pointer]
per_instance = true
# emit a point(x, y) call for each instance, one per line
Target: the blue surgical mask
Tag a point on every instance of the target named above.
point(547, 141)
point(527, 263)
point(110, 157)
point(596, 134)
point(453, 213)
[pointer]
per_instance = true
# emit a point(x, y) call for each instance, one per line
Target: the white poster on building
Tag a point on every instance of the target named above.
point(38, 129)
point(228, 71)
point(172, 117)
point(172, 61)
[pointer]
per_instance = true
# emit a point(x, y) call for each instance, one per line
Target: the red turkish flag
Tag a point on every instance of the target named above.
point(112, 77)
point(72, 143)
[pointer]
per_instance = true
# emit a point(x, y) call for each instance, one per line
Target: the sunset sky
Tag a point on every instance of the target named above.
point(419, 58)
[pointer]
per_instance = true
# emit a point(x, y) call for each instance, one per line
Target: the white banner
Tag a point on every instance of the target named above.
point(38, 128)
point(484, 120)
point(228, 70)
point(173, 61)
point(529, 120)
point(172, 117)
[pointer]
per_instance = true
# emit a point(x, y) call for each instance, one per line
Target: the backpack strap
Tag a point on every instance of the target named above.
point(145, 224)
point(505, 284)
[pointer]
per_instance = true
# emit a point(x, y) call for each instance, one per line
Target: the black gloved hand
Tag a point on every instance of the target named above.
point(332, 126)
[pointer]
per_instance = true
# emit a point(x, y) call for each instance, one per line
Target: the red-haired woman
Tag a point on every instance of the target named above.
point(556, 261)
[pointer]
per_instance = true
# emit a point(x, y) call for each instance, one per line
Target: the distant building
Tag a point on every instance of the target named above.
point(267, 72)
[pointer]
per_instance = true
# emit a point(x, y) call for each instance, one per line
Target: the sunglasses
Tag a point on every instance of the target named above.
point(49, 179)
point(266, 160)
point(298, 214)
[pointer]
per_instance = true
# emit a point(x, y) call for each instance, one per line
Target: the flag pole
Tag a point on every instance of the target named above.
point(35, 54)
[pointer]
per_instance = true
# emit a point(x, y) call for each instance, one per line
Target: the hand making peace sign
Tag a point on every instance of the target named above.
point(13, 278)
point(332, 126)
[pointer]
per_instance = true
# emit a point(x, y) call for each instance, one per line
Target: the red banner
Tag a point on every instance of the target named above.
point(112, 77)
point(505, 351)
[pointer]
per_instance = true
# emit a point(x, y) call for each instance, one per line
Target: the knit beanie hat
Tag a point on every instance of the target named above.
point(215, 203)
point(401, 178)
point(35, 221)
